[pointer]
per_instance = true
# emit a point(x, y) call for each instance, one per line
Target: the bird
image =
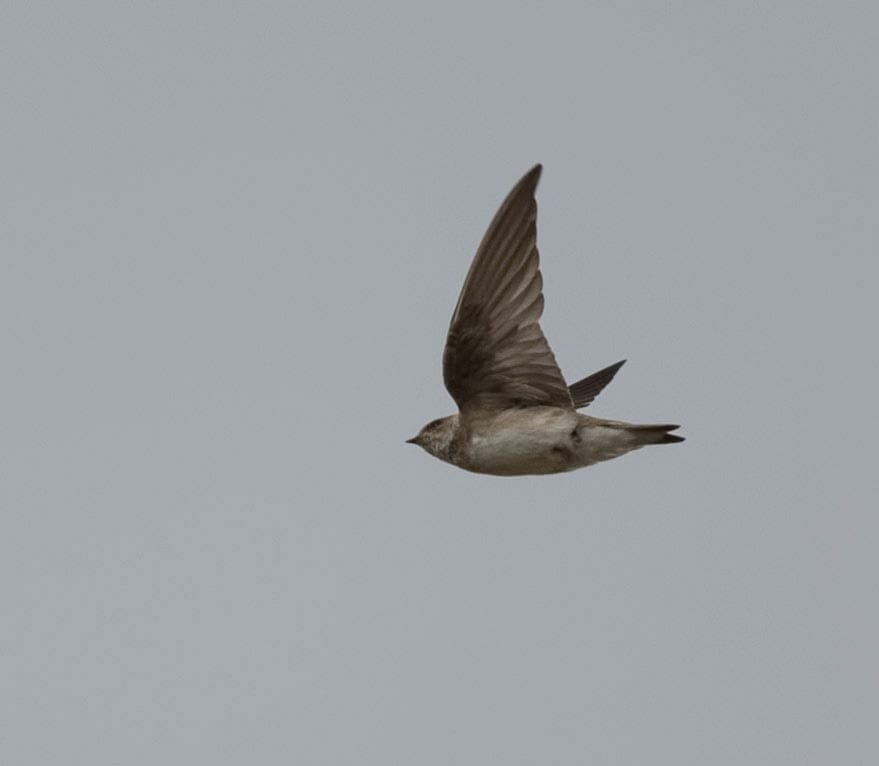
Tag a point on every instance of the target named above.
point(516, 415)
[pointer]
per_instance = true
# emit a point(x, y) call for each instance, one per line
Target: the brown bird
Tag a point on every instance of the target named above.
point(516, 415)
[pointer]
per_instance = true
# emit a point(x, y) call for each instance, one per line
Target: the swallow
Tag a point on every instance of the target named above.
point(516, 415)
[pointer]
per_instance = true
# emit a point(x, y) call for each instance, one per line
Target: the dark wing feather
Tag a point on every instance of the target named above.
point(496, 355)
point(584, 391)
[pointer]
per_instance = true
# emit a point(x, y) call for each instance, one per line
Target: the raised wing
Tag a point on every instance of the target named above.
point(496, 355)
point(584, 391)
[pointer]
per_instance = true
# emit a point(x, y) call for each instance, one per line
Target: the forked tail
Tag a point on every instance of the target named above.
point(653, 434)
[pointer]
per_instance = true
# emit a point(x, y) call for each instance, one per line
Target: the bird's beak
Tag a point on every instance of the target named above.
point(413, 440)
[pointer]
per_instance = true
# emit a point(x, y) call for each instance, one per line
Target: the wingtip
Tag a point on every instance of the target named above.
point(532, 176)
point(583, 392)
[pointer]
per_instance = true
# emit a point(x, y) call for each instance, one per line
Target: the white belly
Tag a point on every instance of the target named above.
point(543, 440)
point(528, 441)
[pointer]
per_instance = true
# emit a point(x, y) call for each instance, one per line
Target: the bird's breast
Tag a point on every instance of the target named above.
point(535, 440)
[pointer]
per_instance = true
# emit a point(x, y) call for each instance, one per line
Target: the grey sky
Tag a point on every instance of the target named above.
point(232, 240)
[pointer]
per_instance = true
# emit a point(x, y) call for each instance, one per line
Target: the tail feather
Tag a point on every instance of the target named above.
point(656, 434)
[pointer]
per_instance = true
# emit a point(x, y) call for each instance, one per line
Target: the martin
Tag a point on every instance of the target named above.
point(516, 415)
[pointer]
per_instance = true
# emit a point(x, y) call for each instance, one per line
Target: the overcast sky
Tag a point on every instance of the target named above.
point(232, 239)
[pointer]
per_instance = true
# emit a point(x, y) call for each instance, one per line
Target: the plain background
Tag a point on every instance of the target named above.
point(232, 238)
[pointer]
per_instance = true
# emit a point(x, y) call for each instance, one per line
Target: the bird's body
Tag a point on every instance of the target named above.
point(535, 440)
point(516, 414)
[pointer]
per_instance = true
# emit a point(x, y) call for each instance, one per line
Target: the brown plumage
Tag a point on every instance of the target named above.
point(583, 392)
point(496, 355)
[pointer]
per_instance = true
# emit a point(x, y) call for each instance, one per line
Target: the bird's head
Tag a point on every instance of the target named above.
point(436, 437)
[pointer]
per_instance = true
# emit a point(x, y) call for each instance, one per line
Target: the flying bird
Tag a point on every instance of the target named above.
point(516, 415)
